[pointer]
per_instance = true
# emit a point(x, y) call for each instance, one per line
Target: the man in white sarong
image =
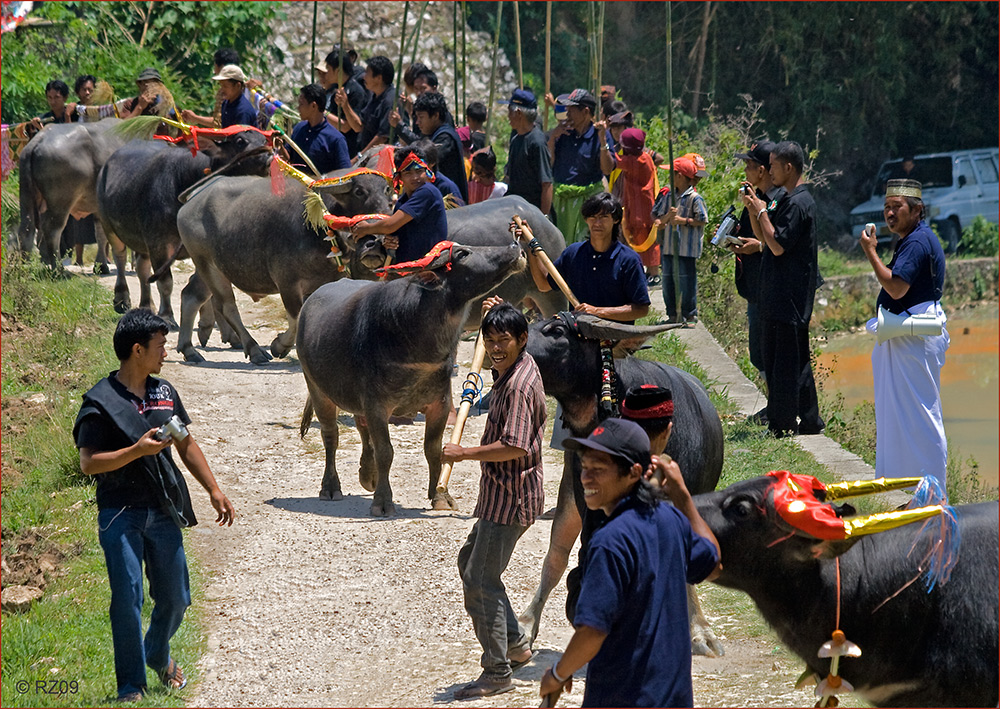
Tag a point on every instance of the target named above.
point(910, 438)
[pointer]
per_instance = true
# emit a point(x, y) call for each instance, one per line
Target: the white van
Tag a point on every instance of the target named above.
point(958, 186)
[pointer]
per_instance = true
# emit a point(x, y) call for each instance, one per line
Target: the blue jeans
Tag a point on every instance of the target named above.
point(481, 561)
point(689, 287)
point(130, 538)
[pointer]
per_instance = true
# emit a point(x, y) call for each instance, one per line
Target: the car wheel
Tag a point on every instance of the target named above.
point(950, 234)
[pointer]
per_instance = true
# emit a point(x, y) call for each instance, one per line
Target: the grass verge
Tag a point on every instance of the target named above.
point(56, 343)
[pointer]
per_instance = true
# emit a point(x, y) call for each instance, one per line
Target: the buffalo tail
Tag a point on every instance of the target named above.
point(307, 417)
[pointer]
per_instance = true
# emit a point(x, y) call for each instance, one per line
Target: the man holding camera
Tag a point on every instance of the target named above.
point(749, 253)
point(126, 424)
point(788, 278)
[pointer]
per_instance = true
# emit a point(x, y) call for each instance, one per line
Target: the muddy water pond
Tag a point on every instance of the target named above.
point(969, 382)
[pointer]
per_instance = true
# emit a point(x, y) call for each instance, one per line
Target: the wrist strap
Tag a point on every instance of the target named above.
point(560, 680)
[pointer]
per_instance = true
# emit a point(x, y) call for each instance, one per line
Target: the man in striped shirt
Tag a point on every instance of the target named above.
point(510, 495)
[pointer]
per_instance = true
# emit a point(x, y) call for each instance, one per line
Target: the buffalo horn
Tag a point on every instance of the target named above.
point(595, 328)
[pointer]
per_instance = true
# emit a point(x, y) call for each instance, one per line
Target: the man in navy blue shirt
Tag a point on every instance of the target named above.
point(418, 222)
point(581, 156)
point(236, 107)
point(632, 617)
point(325, 146)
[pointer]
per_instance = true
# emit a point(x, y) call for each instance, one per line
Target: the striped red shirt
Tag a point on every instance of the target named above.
point(511, 492)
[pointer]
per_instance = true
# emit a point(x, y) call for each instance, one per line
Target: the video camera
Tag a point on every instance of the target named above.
point(725, 235)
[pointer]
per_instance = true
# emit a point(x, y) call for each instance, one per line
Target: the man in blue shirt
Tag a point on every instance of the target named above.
point(581, 156)
point(632, 618)
point(418, 222)
point(236, 107)
point(325, 146)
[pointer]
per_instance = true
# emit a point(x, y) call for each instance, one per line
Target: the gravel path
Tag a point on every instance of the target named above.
point(315, 603)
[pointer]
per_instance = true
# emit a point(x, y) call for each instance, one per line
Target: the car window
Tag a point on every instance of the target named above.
point(987, 170)
point(932, 172)
point(965, 170)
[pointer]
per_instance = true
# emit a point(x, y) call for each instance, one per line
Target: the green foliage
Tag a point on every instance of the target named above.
point(115, 41)
point(980, 238)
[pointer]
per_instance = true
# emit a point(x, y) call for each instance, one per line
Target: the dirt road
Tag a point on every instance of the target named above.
point(315, 603)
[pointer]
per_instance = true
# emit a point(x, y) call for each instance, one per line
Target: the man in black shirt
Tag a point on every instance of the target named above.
point(756, 162)
point(375, 116)
point(429, 113)
point(528, 172)
point(788, 278)
point(348, 95)
point(142, 499)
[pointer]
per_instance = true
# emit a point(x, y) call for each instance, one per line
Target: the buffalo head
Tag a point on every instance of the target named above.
point(245, 153)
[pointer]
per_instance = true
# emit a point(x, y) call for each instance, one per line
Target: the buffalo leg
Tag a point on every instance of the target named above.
point(193, 297)
point(227, 334)
point(283, 343)
point(122, 300)
point(51, 225)
point(437, 418)
point(565, 529)
point(326, 411)
point(703, 640)
point(101, 260)
point(164, 284)
point(143, 270)
point(378, 429)
point(367, 472)
point(206, 322)
point(222, 289)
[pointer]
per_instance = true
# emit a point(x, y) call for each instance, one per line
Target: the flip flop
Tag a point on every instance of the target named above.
point(173, 676)
point(515, 664)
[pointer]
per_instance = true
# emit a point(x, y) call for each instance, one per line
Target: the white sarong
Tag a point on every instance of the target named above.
point(909, 424)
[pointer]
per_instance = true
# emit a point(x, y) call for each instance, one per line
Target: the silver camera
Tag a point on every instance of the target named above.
point(726, 233)
point(173, 428)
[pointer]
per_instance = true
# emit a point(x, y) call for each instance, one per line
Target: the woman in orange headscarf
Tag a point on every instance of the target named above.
point(636, 186)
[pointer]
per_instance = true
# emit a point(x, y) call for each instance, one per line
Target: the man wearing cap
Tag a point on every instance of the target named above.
point(236, 107)
point(581, 156)
point(910, 436)
point(323, 144)
point(631, 621)
point(148, 100)
point(789, 276)
point(749, 254)
point(682, 242)
point(528, 172)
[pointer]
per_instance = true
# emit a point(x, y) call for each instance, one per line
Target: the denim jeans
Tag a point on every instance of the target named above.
point(131, 537)
point(689, 287)
point(481, 561)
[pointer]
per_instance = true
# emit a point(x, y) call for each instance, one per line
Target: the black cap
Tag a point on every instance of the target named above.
point(616, 437)
point(149, 74)
point(758, 152)
point(578, 97)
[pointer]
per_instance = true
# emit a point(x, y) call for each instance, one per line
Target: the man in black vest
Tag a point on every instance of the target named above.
point(430, 112)
point(142, 499)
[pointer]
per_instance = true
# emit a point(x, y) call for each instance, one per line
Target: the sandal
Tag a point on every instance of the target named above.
point(515, 664)
point(173, 676)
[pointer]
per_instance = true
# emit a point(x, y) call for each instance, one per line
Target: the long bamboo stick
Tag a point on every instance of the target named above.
point(465, 97)
point(454, 45)
point(537, 249)
point(312, 52)
point(342, 54)
point(548, 59)
point(399, 69)
point(517, 38)
point(493, 73)
point(673, 233)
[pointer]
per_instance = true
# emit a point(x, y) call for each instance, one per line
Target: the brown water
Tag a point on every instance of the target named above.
point(969, 383)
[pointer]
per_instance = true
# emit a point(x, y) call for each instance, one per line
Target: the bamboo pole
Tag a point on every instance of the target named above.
point(493, 73)
point(517, 38)
point(600, 56)
point(454, 45)
point(536, 248)
point(342, 54)
point(399, 68)
point(548, 59)
point(465, 97)
point(312, 52)
point(469, 392)
point(416, 33)
point(673, 233)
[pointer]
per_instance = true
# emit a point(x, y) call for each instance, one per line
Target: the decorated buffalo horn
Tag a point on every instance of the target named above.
point(856, 488)
point(870, 524)
point(595, 328)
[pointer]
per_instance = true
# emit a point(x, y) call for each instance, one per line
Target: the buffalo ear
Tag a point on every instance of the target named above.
point(429, 280)
point(832, 548)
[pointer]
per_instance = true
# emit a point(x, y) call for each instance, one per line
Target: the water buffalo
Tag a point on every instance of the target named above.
point(137, 192)
point(378, 349)
point(568, 352)
point(59, 168)
point(919, 648)
point(239, 233)
point(486, 224)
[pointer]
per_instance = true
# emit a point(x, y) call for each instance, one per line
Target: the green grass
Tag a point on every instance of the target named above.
point(56, 344)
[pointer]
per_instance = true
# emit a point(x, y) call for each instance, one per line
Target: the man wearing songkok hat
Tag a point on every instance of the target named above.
point(910, 438)
point(789, 276)
point(631, 617)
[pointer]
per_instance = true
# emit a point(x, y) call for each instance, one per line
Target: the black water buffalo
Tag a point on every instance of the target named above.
point(378, 349)
point(568, 352)
point(239, 233)
point(919, 648)
point(58, 174)
point(137, 191)
point(486, 224)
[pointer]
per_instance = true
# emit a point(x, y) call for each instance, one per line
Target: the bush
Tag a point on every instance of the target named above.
point(980, 238)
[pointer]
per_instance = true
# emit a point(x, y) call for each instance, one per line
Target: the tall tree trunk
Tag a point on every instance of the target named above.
point(706, 21)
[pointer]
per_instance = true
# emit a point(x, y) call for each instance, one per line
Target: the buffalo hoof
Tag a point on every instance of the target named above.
point(204, 333)
point(383, 509)
point(529, 622)
point(122, 306)
point(102, 269)
point(169, 320)
point(334, 496)
point(367, 479)
point(259, 356)
point(705, 643)
point(192, 355)
point(443, 501)
point(278, 349)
